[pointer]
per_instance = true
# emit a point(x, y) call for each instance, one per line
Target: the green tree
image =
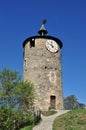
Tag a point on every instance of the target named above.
point(16, 101)
point(14, 92)
point(8, 81)
point(25, 96)
point(71, 102)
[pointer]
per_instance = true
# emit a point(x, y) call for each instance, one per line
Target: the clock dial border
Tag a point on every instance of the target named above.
point(52, 46)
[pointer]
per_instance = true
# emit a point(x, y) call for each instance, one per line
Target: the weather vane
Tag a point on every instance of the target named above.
point(44, 21)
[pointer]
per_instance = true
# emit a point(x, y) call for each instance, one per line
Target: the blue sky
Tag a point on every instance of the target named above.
point(66, 20)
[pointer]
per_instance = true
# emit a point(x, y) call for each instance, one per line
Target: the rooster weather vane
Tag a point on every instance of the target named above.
point(44, 21)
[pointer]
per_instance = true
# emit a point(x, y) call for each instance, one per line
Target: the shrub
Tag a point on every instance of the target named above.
point(11, 119)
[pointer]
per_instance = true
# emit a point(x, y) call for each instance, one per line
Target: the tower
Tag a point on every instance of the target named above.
point(42, 67)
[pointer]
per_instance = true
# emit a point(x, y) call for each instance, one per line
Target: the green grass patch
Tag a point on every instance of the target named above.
point(73, 120)
point(27, 128)
point(49, 112)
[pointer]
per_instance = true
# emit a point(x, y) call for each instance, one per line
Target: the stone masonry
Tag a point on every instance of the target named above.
point(43, 69)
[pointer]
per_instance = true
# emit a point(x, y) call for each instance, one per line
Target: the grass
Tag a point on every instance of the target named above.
point(27, 128)
point(49, 112)
point(73, 120)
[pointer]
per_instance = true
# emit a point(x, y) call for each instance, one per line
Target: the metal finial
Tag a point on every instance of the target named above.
point(44, 21)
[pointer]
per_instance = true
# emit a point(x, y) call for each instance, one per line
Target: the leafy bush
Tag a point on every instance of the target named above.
point(11, 119)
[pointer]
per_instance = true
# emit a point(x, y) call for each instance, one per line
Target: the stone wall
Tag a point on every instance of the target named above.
point(43, 69)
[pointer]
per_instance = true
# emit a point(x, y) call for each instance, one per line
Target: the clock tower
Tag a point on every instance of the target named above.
point(42, 67)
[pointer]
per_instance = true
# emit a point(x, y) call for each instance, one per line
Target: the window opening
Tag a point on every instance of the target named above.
point(25, 64)
point(32, 43)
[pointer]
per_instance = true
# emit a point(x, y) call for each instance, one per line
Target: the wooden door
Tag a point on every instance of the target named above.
point(52, 102)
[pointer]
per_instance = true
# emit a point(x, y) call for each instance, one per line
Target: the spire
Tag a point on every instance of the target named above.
point(43, 30)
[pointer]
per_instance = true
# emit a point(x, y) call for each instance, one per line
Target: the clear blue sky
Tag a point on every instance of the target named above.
point(66, 20)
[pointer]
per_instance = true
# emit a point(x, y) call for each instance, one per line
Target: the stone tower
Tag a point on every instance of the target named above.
point(42, 67)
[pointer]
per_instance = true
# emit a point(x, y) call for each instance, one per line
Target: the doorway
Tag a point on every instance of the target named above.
point(52, 102)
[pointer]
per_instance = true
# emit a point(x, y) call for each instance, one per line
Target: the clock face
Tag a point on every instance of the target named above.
point(52, 46)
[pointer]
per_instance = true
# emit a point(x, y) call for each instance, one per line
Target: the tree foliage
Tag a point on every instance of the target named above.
point(11, 119)
point(8, 81)
point(25, 96)
point(71, 102)
point(16, 101)
point(14, 92)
